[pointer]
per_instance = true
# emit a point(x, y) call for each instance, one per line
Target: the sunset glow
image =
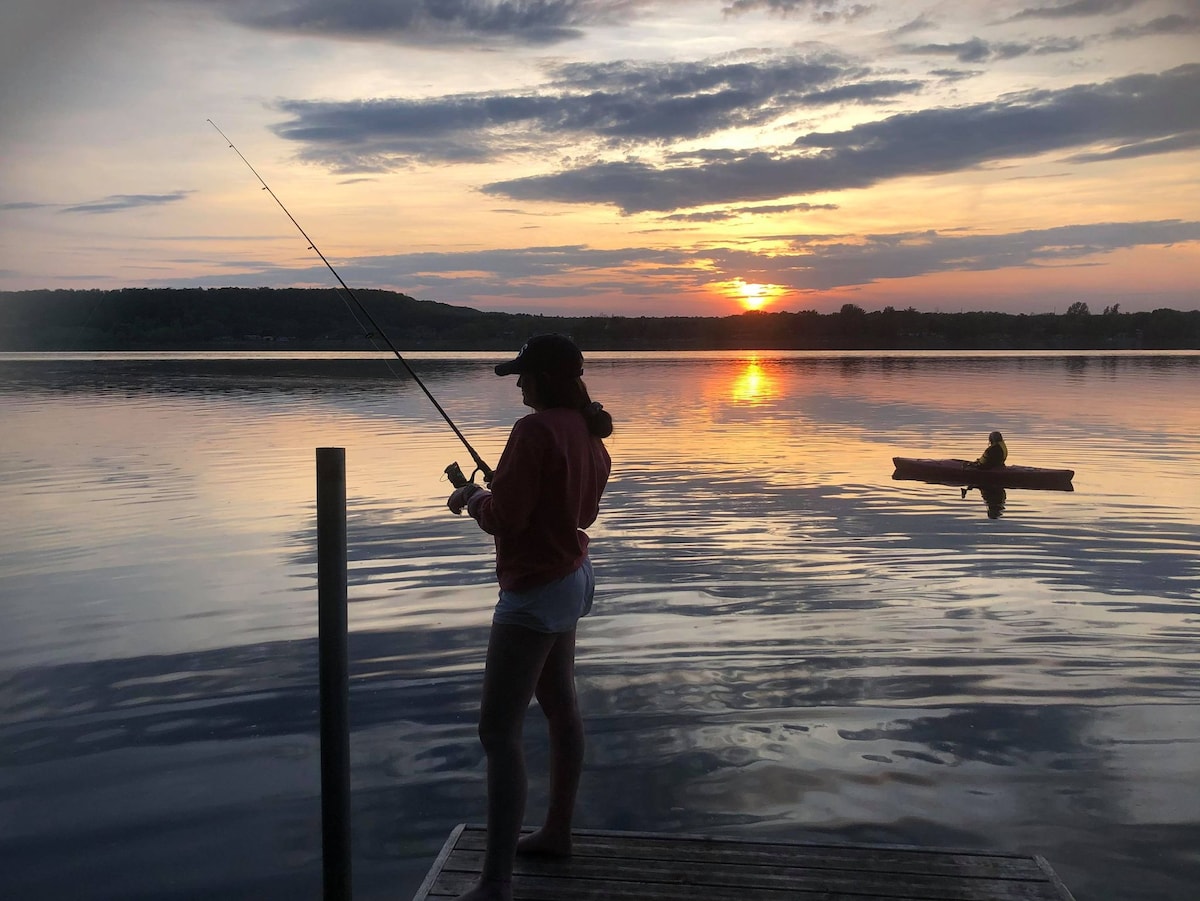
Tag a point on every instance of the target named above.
point(750, 295)
point(753, 384)
point(755, 297)
point(640, 159)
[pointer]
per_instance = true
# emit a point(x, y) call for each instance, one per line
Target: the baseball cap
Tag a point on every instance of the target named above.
point(554, 354)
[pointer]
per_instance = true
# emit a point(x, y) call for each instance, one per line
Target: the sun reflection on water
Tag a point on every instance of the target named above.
point(754, 384)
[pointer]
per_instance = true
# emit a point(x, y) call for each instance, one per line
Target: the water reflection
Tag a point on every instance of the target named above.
point(754, 384)
point(783, 744)
point(786, 642)
point(994, 499)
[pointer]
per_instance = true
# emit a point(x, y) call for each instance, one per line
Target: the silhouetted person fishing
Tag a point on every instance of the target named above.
point(546, 490)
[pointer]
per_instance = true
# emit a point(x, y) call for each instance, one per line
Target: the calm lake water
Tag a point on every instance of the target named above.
point(786, 643)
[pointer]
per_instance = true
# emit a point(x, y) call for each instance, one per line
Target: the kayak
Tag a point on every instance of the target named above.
point(960, 472)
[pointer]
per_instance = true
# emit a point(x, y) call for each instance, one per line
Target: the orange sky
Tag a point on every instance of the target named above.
point(644, 158)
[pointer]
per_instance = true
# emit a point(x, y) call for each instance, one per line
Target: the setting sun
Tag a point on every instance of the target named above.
point(754, 296)
point(751, 295)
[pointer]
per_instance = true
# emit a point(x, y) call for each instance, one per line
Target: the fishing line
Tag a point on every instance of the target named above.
point(452, 470)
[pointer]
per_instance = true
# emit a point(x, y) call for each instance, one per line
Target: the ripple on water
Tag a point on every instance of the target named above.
point(785, 642)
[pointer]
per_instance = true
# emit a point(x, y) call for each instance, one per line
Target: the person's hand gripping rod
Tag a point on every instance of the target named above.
point(464, 488)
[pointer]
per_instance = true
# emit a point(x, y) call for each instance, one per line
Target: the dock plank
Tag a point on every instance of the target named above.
point(702, 849)
point(634, 866)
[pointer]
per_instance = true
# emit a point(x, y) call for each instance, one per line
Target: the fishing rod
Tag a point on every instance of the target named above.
point(453, 471)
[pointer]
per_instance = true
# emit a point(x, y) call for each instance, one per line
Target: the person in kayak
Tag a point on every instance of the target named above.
point(995, 455)
point(545, 492)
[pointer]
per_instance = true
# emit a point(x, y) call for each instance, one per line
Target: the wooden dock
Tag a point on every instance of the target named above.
point(638, 866)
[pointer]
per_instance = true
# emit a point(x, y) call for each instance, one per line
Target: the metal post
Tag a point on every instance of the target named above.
point(334, 675)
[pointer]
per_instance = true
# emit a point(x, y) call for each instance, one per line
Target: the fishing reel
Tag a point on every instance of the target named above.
point(455, 474)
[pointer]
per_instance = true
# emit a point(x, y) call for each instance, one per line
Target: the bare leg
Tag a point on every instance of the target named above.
point(515, 660)
point(559, 702)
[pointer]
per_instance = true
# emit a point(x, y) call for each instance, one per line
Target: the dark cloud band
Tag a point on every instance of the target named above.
point(616, 104)
point(1141, 110)
point(456, 22)
point(810, 263)
point(116, 203)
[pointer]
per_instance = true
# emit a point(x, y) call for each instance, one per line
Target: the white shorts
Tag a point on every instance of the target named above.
point(554, 607)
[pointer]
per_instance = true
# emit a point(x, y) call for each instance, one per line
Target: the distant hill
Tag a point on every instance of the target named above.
point(318, 318)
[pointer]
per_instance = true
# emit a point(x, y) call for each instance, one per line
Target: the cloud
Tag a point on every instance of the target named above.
point(825, 263)
point(513, 279)
point(865, 92)
point(725, 215)
point(433, 22)
point(977, 50)
point(1077, 9)
point(1187, 141)
point(1128, 110)
point(920, 23)
point(1175, 24)
point(819, 10)
point(618, 104)
point(949, 75)
point(500, 277)
point(116, 203)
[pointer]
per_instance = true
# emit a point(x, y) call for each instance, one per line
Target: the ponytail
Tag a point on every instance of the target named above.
point(572, 393)
point(599, 420)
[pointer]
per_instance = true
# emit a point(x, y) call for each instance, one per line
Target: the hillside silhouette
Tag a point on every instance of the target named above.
point(319, 319)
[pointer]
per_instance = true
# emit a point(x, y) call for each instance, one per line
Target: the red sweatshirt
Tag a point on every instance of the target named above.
point(545, 492)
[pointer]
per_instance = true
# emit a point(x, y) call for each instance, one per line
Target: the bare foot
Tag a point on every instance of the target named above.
point(489, 890)
point(544, 844)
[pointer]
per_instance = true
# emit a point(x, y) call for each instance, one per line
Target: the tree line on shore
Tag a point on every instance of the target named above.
point(320, 319)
